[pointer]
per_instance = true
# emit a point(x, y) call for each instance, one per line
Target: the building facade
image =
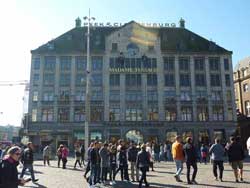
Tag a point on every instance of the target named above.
point(147, 84)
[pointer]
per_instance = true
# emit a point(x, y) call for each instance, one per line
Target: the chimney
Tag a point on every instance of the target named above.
point(78, 22)
point(182, 23)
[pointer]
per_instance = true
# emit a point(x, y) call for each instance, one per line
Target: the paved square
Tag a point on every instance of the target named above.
point(53, 177)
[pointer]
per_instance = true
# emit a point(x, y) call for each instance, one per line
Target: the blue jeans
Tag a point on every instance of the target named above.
point(179, 167)
point(30, 167)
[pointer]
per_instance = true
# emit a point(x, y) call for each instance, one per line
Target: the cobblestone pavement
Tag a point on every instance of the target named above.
point(53, 177)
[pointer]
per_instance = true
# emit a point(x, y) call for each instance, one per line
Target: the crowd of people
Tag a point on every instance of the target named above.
point(106, 160)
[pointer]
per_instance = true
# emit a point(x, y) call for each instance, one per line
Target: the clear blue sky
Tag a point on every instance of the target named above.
point(27, 24)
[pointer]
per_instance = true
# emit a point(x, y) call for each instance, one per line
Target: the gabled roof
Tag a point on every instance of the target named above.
point(172, 40)
point(242, 64)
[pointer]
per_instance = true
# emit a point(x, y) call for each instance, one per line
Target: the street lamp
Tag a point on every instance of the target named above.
point(87, 99)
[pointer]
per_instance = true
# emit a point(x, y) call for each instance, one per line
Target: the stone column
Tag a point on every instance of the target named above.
point(40, 90)
point(122, 97)
point(72, 87)
point(194, 104)
point(224, 90)
point(210, 114)
point(177, 84)
point(144, 99)
point(106, 89)
point(57, 77)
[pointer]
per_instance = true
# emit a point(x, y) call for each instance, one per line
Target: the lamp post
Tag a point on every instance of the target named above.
point(87, 99)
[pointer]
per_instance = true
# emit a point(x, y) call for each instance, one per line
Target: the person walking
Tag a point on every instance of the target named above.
point(104, 155)
point(65, 153)
point(217, 152)
point(132, 156)
point(149, 150)
point(77, 156)
point(59, 155)
point(157, 152)
point(82, 154)
point(88, 160)
point(191, 159)
point(46, 155)
point(9, 173)
point(204, 153)
point(113, 164)
point(178, 156)
point(27, 160)
point(142, 163)
point(235, 157)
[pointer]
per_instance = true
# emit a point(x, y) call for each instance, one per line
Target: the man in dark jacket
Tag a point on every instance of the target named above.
point(191, 158)
point(132, 155)
point(27, 160)
point(123, 163)
point(8, 169)
point(94, 164)
point(142, 163)
point(235, 157)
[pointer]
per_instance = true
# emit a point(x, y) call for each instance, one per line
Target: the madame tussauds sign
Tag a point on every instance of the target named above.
point(116, 24)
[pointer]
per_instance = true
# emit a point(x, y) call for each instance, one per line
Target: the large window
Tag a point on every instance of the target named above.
point(216, 95)
point(169, 80)
point(65, 63)
point(96, 63)
point(186, 113)
point(215, 80)
point(133, 79)
point(36, 62)
point(35, 96)
point(34, 115)
point(214, 63)
point(153, 113)
point(226, 64)
point(200, 80)
point(50, 63)
point(217, 113)
point(97, 95)
point(245, 87)
point(168, 63)
point(80, 79)
point(48, 79)
point(47, 114)
point(247, 107)
point(227, 79)
point(79, 114)
point(48, 96)
point(36, 79)
point(133, 95)
point(152, 80)
point(199, 64)
point(184, 63)
point(133, 114)
point(152, 96)
point(64, 79)
point(185, 96)
point(96, 79)
point(169, 95)
point(185, 80)
point(114, 114)
point(202, 113)
point(170, 113)
point(63, 114)
point(81, 63)
point(96, 113)
point(80, 96)
point(114, 79)
point(114, 95)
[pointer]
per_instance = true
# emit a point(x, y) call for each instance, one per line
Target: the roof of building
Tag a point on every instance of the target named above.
point(242, 64)
point(173, 39)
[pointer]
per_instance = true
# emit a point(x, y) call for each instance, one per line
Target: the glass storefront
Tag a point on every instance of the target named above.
point(134, 135)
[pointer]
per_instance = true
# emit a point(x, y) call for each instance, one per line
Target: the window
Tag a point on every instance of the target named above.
point(244, 72)
point(168, 63)
point(133, 79)
point(186, 113)
point(114, 47)
point(114, 95)
point(247, 108)
point(230, 114)
point(216, 95)
point(215, 80)
point(36, 63)
point(152, 96)
point(34, 115)
point(96, 79)
point(64, 79)
point(217, 113)
point(35, 96)
point(133, 114)
point(112, 62)
point(114, 79)
point(199, 64)
point(202, 113)
point(80, 79)
point(50, 63)
point(153, 113)
point(47, 114)
point(80, 96)
point(152, 80)
point(227, 79)
point(48, 96)
point(185, 96)
point(226, 64)
point(36, 79)
point(96, 113)
point(65, 63)
point(81, 63)
point(48, 79)
point(201, 95)
point(79, 114)
point(184, 63)
point(200, 80)
point(245, 87)
point(64, 95)
point(96, 63)
point(114, 114)
point(63, 114)
point(133, 95)
point(169, 95)
point(170, 113)
point(169, 80)
point(214, 63)
point(96, 95)
point(185, 80)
